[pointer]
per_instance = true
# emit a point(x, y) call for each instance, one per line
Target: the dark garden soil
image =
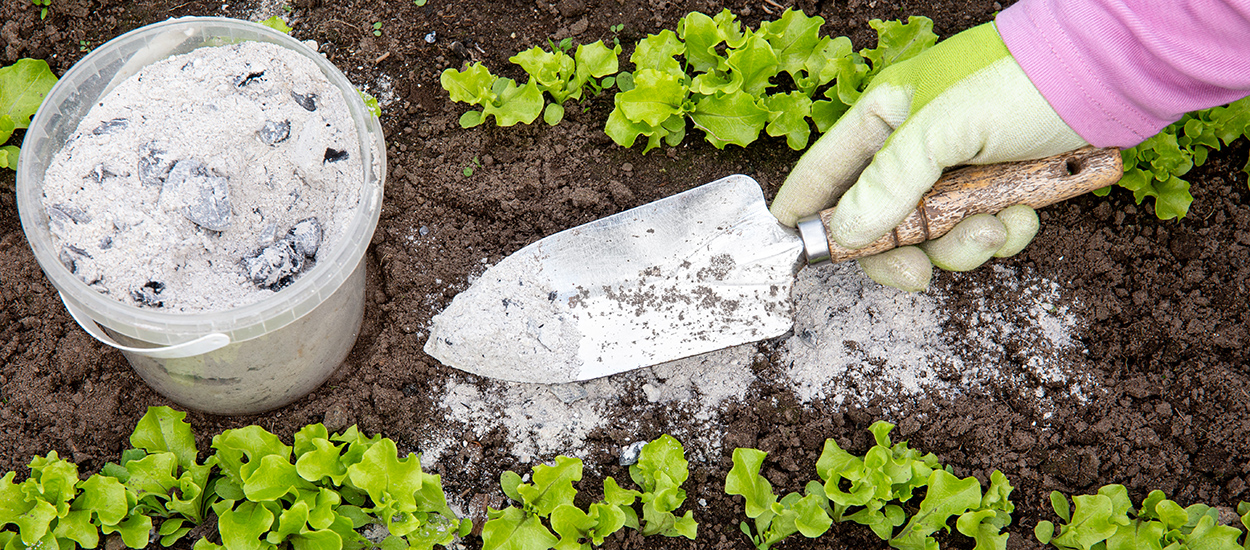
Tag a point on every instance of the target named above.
point(1163, 303)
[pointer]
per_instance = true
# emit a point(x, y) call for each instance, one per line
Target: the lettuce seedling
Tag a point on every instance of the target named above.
point(508, 102)
point(550, 496)
point(897, 42)
point(44, 5)
point(660, 471)
point(1154, 167)
point(522, 528)
point(371, 103)
point(318, 492)
point(1107, 520)
point(775, 520)
point(23, 86)
point(263, 499)
point(889, 475)
point(654, 107)
point(162, 470)
point(553, 72)
point(578, 530)
point(720, 76)
point(52, 508)
point(871, 490)
point(563, 77)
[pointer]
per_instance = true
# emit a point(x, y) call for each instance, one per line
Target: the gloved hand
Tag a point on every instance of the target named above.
point(963, 101)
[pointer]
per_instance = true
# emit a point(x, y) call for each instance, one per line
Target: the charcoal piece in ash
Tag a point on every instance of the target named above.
point(269, 233)
point(70, 256)
point(154, 164)
point(61, 215)
point(335, 155)
point(305, 237)
point(307, 101)
point(149, 294)
point(80, 263)
point(205, 197)
point(110, 126)
point(249, 78)
point(273, 133)
point(100, 173)
point(274, 266)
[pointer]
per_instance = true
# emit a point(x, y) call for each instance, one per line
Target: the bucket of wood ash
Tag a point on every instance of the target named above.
point(201, 193)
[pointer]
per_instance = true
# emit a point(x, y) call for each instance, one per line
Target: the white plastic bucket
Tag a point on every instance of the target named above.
point(239, 361)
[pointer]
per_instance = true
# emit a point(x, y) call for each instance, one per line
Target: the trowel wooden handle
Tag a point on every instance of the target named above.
point(989, 189)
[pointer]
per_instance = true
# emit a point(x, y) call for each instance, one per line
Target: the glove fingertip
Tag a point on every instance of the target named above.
point(905, 268)
point(968, 245)
point(1022, 226)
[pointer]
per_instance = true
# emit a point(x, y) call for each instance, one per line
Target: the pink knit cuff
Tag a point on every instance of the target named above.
point(1118, 71)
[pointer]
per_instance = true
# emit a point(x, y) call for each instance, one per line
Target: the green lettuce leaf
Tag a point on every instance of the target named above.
point(793, 37)
point(162, 429)
point(752, 66)
point(240, 450)
point(8, 156)
point(513, 529)
point(730, 119)
point(898, 41)
point(242, 527)
point(572, 525)
point(471, 85)
point(656, 97)
point(596, 60)
point(513, 103)
point(787, 116)
point(1091, 522)
point(744, 479)
point(23, 86)
point(663, 456)
point(657, 52)
point(552, 485)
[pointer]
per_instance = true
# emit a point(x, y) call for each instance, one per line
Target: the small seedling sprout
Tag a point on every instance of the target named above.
point(616, 29)
point(565, 45)
point(468, 170)
point(43, 11)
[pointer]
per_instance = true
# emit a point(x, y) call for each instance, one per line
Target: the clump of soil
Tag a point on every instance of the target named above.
point(1132, 328)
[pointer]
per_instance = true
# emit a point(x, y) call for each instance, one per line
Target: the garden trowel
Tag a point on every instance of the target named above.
point(698, 271)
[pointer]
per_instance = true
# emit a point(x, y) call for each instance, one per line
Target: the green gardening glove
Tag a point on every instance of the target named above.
point(963, 101)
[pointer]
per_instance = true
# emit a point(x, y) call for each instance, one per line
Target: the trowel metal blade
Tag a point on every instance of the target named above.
point(695, 272)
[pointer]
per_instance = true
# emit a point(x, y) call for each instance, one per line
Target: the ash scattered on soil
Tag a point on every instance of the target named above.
point(543, 420)
point(855, 343)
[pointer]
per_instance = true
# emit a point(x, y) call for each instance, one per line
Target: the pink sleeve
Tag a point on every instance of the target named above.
point(1118, 71)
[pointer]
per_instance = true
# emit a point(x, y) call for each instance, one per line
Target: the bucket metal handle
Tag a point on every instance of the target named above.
point(209, 342)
